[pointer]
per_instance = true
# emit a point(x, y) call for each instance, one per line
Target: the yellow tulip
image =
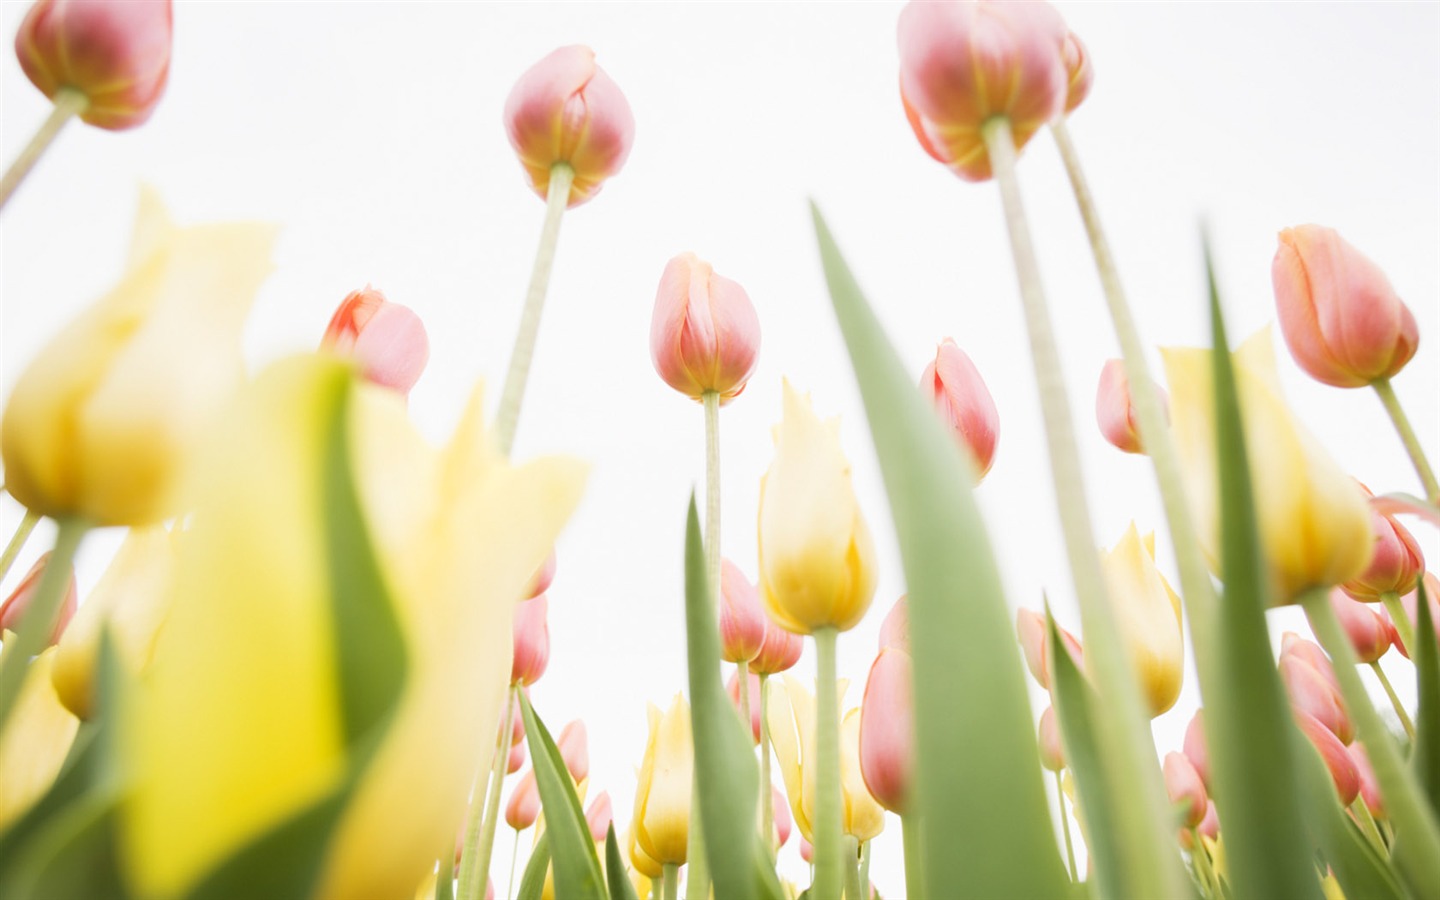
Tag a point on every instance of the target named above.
point(1148, 612)
point(644, 866)
point(35, 742)
point(238, 724)
point(662, 797)
point(102, 423)
point(817, 561)
point(1313, 519)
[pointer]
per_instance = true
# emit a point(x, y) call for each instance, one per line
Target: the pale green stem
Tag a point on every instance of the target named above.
point(1201, 858)
point(672, 881)
point(1403, 626)
point(767, 794)
point(68, 104)
point(445, 878)
point(744, 692)
point(480, 833)
point(1420, 860)
point(850, 847)
point(1128, 749)
point(827, 825)
point(1361, 812)
point(697, 880)
point(865, 869)
point(511, 396)
point(1405, 722)
point(914, 871)
point(34, 629)
point(1065, 826)
point(1408, 438)
point(514, 855)
point(17, 541)
point(656, 886)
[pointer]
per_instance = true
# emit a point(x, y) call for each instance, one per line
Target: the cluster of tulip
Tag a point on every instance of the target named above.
point(148, 751)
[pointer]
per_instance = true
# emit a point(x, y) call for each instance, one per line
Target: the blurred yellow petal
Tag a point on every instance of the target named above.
point(1148, 613)
point(35, 742)
point(662, 820)
point(864, 817)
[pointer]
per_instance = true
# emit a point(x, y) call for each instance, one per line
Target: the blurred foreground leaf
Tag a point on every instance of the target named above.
point(1426, 754)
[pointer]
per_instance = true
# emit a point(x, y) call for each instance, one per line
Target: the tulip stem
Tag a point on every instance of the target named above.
point(513, 393)
point(1408, 438)
point(445, 878)
point(34, 630)
point(18, 539)
point(767, 793)
point(827, 825)
point(1400, 618)
point(1201, 858)
point(480, 833)
point(910, 834)
point(68, 104)
point(865, 869)
point(743, 671)
point(1420, 861)
point(514, 855)
point(1362, 816)
point(1128, 750)
point(672, 882)
point(1065, 826)
point(850, 847)
point(1404, 717)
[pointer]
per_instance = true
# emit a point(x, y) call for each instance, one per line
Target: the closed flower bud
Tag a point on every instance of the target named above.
point(1186, 790)
point(599, 816)
point(116, 54)
point(887, 730)
point(1052, 752)
point(532, 641)
point(13, 610)
point(516, 759)
point(1396, 564)
point(544, 577)
point(1337, 758)
point(780, 814)
point(964, 404)
point(817, 560)
point(1367, 630)
point(386, 339)
point(662, 797)
point(963, 63)
point(1030, 628)
point(779, 651)
point(1312, 693)
point(742, 619)
point(704, 334)
point(863, 818)
point(1411, 604)
point(524, 806)
point(1079, 72)
point(1342, 320)
point(644, 865)
point(1148, 613)
point(1195, 748)
point(566, 110)
point(1115, 408)
point(895, 630)
point(575, 750)
point(791, 714)
point(733, 687)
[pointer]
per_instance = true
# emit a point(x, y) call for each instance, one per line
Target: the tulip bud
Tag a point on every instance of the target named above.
point(566, 110)
point(807, 851)
point(599, 816)
point(887, 730)
point(742, 619)
point(780, 814)
point(1184, 786)
point(574, 750)
point(1369, 785)
point(1342, 320)
point(1030, 627)
point(704, 334)
point(1411, 604)
point(544, 577)
point(1208, 829)
point(1080, 74)
point(963, 63)
point(779, 651)
point(1148, 613)
point(1396, 564)
point(116, 54)
point(1195, 748)
point(1052, 752)
point(817, 560)
point(1337, 758)
point(1115, 408)
point(516, 759)
point(643, 864)
point(524, 806)
point(1367, 630)
point(895, 629)
point(532, 642)
point(16, 605)
point(662, 797)
point(387, 339)
point(733, 687)
point(1316, 696)
point(964, 403)
point(863, 817)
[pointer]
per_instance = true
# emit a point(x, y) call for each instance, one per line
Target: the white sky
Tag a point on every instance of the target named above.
point(372, 133)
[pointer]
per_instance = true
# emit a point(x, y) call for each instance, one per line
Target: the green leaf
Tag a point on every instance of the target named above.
point(532, 883)
point(577, 868)
point(1359, 869)
point(978, 789)
point(1426, 757)
point(726, 773)
point(620, 886)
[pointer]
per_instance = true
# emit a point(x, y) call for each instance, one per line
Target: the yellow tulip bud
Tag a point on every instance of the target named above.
point(817, 561)
point(662, 797)
point(864, 817)
point(1148, 612)
point(103, 422)
point(1313, 519)
point(645, 867)
point(35, 742)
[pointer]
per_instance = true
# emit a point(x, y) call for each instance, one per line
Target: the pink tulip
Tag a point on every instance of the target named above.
point(704, 334)
point(1369, 785)
point(1195, 747)
point(387, 339)
point(1209, 827)
point(781, 817)
point(1411, 604)
point(895, 630)
point(524, 806)
point(779, 651)
point(963, 63)
point(544, 577)
point(1396, 564)
point(565, 109)
point(532, 642)
point(13, 610)
point(1079, 73)
point(1052, 753)
point(1342, 320)
point(599, 816)
point(756, 707)
point(1115, 408)
point(807, 850)
point(887, 730)
point(1368, 631)
point(1312, 693)
point(516, 759)
point(116, 54)
point(574, 750)
point(1337, 758)
point(742, 618)
point(1184, 785)
point(963, 401)
point(1030, 626)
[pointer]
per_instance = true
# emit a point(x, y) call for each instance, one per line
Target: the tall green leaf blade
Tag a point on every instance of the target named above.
point(577, 868)
point(532, 882)
point(620, 886)
point(978, 792)
point(1426, 758)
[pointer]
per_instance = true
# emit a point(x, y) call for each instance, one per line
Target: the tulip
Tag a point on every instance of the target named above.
point(1342, 320)
point(1115, 408)
point(817, 561)
point(704, 334)
point(1332, 751)
point(1184, 786)
point(104, 420)
point(779, 651)
point(887, 730)
point(864, 818)
point(1080, 74)
point(566, 111)
point(1410, 603)
point(16, 605)
point(1367, 630)
point(543, 578)
point(516, 759)
point(963, 63)
point(1315, 695)
point(1396, 565)
point(35, 742)
point(662, 797)
point(963, 403)
point(574, 750)
point(1195, 748)
point(599, 816)
point(531, 642)
point(241, 712)
point(1208, 829)
point(1369, 785)
point(1313, 521)
point(523, 807)
point(895, 629)
point(742, 619)
point(1030, 627)
point(644, 865)
point(733, 687)
point(116, 54)
point(386, 339)
point(780, 815)
point(1148, 612)
point(1052, 753)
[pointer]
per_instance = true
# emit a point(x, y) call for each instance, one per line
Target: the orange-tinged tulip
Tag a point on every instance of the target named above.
point(1148, 613)
point(516, 760)
point(1367, 630)
point(963, 403)
point(1030, 628)
point(887, 729)
point(1411, 604)
point(704, 334)
point(662, 797)
point(523, 808)
point(1316, 695)
point(35, 742)
point(1337, 758)
point(1080, 73)
point(13, 609)
point(387, 339)
point(742, 618)
point(1115, 408)
point(779, 651)
point(1396, 565)
point(1184, 786)
point(733, 687)
point(531, 654)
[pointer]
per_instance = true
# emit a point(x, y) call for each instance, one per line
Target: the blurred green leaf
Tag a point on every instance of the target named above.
point(1426, 754)
point(986, 826)
point(619, 881)
point(532, 883)
point(1359, 869)
point(577, 868)
point(727, 775)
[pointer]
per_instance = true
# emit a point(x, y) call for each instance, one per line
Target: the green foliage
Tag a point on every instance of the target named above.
point(1426, 758)
point(532, 883)
point(577, 868)
point(615, 876)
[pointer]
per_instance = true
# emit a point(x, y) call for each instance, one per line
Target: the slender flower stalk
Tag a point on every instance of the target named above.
point(767, 804)
point(1065, 826)
point(671, 890)
point(1200, 856)
point(480, 833)
point(445, 878)
point(850, 847)
point(865, 869)
point(1407, 436)
point(827, 824)
point(1400, 712)
point(39, 622)
point(18, 539)
point(1403, 626)
point(910, 834)
point(69, 103)
point(514, 855)
point(513, 393)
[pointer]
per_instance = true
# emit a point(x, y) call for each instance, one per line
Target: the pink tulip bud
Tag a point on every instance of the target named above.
point(963, 401)
point(517, 723)
point(1369, 785)
point(599, 816)
point(1052, 754)
point(532, 641)
point(1411, 604)
point(895, 630)
point(1396, 564)
point(779, 651)
point(1184, 786)
point(1368, 631)
point(1115, 408)
point(704, 334)
point(1337, 758)
point(565, 109)
point(1209, 827)
point(1315, 695)
point(543, 578)
point(742, 618)
point(887, 730)
point(13, 610)
point(524, 806)
point(1030, 626)
point(516, 758)
point(963, 63)
point(116, 54)
point(807, 851)
point(1342, 320)
point(733, 686)
point(386, 338)
point(1195, 748)
point(1079, 72)
point(781, 816)
point(574, 750)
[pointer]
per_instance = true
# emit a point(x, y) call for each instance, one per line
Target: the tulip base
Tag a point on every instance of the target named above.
point(68, 104)
point(480, 832)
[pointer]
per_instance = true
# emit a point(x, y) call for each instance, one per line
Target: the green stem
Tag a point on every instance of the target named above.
point(514, 855)
point(827, 825)
point(914, 870)
point(671, 890)
point(511, 396)
point(1361, 812)
point(34, 630)
point(1128, 750)
point(1405, 722)
point(1403, 626)
point(743, 676)
point(865, 869)
point(68, 103)
point(767, 794)
point(1201, 857)
point(480, 833)
point(18, 539)
point(445, 878)
point(1419, 860)
point(697, 880)
point(1065, 826)
point(1408, 438)
point(850, 848)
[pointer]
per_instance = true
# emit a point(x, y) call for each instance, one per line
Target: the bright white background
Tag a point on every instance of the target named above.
point(372, 133)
